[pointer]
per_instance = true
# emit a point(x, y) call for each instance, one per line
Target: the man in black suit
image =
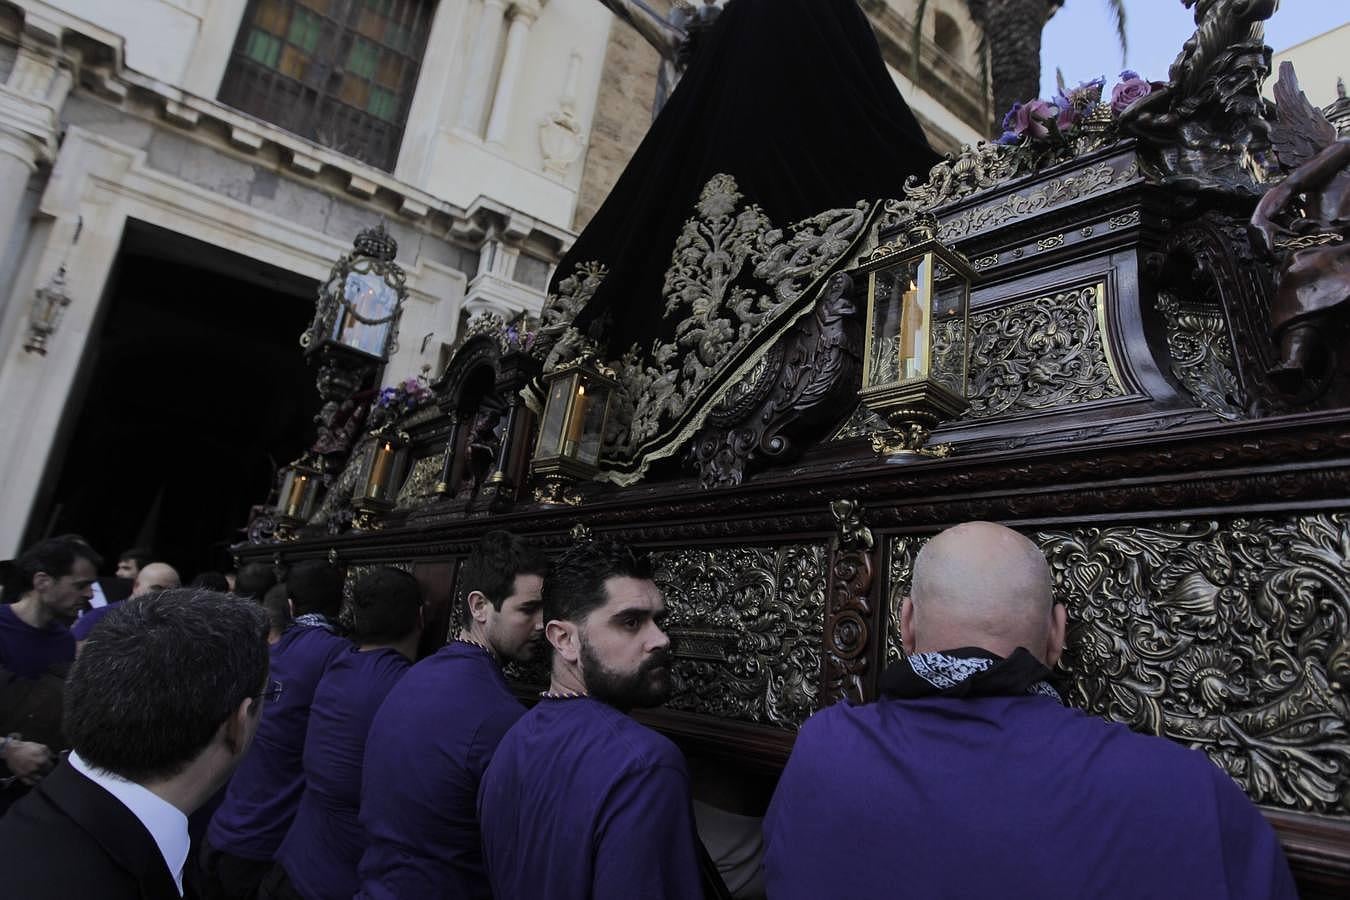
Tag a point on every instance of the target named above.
point(160, 706)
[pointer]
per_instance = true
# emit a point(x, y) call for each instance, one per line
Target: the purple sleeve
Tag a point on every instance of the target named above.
point(645, 839)
point(85, 623)
point(1254, 863)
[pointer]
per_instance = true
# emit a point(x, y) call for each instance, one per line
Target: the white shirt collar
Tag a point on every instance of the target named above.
point(165, 822)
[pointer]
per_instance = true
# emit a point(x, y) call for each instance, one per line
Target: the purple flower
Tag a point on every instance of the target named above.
point(1009, 137)
point(1010, 119)
point(1129, 75)
point(1129, 91)
point(1032, 119)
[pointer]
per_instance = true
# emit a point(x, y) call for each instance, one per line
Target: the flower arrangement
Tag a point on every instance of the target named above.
point(405, 396)
point(1076, 120)
point(516, 337)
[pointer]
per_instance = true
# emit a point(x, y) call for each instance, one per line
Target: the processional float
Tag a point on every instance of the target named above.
point(780, 365)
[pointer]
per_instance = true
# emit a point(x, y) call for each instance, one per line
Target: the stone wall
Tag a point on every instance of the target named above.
point(623, 112)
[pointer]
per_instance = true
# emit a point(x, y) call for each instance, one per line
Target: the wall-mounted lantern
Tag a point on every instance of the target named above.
point(915, 362)
point(572, 429)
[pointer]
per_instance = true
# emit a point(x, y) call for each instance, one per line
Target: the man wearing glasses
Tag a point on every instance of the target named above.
point(160, 706)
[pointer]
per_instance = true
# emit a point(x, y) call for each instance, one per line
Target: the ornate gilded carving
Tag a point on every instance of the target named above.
point(557, 342)
point(1092, 179)
point(736, 283)
point(1040, 353)
point(420, 486)
point(1202, 354)
point(746, 624)
point(1032, 354)
point(802, 378)
point(1229, 636)
point(976, 168)
point(850, 616)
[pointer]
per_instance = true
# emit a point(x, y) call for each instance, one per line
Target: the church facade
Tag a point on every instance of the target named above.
point(149, 146)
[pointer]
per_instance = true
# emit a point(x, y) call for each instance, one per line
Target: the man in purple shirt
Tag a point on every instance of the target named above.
point(580, 801)
point(969, 778)
point(437, 730)
point(318, 858)
point(261, 800)
point(58, 577)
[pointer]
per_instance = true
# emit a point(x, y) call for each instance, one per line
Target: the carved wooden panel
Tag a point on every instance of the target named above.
point(1231, 636)
point(746, 625)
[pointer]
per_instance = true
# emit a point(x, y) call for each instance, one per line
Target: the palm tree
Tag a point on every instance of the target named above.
point(1012, 35)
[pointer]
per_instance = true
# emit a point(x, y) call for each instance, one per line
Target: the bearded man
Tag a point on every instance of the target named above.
point(437, 730)
point(580, 801)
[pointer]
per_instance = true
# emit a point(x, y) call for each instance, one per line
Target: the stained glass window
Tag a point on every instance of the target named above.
point(338, 72)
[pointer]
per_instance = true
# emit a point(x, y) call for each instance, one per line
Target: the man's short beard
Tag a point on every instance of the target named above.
point(649, 686)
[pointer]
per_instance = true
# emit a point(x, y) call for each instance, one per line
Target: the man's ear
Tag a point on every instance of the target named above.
point(43, 582)
point(907, 625)
point(241, 723)
point(479, 605)
point(563, 636)
point(1059, 626)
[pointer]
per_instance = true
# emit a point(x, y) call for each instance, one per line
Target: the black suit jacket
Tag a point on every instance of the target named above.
point(69, 838)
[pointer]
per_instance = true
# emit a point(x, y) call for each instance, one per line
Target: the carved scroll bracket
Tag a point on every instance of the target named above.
point(848, 670)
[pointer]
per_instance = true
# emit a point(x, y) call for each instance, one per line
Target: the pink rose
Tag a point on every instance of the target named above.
point(1031, 118)
point(1128, 91)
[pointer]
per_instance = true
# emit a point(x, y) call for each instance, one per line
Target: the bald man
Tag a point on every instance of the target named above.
point(155, 576)
point(970, 778)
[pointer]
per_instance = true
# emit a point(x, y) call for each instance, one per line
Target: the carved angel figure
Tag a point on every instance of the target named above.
point(1304, 221)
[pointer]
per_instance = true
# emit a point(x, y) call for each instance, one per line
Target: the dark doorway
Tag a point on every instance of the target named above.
point(194, 392)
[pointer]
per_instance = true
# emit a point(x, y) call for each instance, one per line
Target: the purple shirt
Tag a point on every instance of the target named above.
point(325, 842)
point(582, 802)
point(1014, 797)
point(85, 623)
point(29, 652)
point(428, 747)
point(262, 797)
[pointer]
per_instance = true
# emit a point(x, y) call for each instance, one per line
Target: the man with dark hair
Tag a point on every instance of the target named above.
point(36, 648)
point(58, 577)
point(261, 800)
point(130, 562)
point(579, 800)
point(160, 707)
point(254, 580)
point(318, 858)
point(970, 778)
point(437, 730)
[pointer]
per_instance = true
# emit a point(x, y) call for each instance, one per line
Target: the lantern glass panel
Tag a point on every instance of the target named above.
point(298, 492)
point(951, 303)
point(555, 415)
point(898, 333)
point(590, 405)
point(368, 295)
point(383, 470)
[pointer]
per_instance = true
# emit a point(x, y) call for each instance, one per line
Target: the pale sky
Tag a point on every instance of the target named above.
point(1081, 40)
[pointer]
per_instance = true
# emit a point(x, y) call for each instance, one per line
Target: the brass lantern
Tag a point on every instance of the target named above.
point(572, 428)
point(299, 495)
point(915, 358)
point(383, 467)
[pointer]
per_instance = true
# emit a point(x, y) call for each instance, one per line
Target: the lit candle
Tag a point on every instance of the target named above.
point(384, 461)
point(576, 422)
point(911, 332)
point(297, 495)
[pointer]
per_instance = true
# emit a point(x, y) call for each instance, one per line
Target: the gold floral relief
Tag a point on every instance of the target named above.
point(746, 625)
point(1229, 636)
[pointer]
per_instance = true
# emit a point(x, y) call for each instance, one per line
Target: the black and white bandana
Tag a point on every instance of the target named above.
point(967, 672)
point(315, 620)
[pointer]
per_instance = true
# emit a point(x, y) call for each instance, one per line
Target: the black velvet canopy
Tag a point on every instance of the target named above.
point(789, 97)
